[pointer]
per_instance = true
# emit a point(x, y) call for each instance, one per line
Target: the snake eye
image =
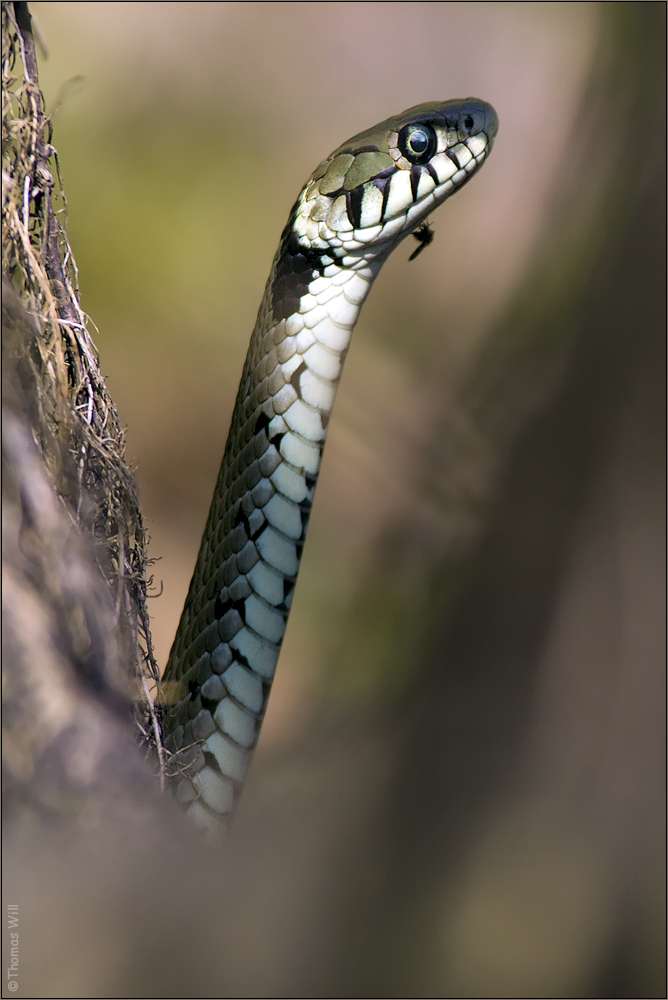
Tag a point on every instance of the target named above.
point(417, 142)
point(468, 122)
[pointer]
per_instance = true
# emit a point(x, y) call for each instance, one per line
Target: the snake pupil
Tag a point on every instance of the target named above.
point(418, 142)
point(468, 122)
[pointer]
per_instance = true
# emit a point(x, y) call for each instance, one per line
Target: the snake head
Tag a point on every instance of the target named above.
point(378, 186)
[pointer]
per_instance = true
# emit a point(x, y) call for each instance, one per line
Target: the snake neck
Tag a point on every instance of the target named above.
point(221, 666)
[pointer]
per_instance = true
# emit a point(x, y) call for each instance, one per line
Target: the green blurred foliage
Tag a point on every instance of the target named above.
point(156, 259)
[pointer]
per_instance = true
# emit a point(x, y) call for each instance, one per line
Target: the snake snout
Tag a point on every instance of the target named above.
point(473, 116)
point(491, 121)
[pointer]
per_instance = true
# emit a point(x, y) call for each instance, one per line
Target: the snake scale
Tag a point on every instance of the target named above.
point(372, 191)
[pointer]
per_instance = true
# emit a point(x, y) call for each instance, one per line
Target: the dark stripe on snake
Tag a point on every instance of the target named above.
point(361, 149)
point(354, 204)
point(297, 266)
point(416, 174)
point(432, 173)
point(296, 375)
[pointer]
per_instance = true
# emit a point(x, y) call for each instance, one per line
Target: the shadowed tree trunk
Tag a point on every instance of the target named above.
point(77, 653)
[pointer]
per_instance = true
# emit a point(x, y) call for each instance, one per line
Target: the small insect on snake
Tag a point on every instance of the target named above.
point(424, 234)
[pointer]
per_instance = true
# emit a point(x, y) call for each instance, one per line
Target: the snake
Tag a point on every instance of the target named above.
point(357, 206)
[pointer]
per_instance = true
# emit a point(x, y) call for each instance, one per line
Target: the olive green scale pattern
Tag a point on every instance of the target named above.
point(218, 694)
point(247, 459)
point(244, 464)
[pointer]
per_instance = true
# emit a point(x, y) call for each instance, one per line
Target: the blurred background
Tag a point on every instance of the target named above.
point(459, 789)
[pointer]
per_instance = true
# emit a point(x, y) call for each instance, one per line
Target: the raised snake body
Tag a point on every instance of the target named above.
point(356, 207)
